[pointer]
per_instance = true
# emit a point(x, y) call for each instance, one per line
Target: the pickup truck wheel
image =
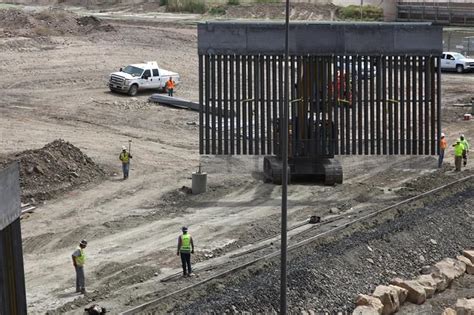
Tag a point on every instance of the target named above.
point(459, 69)
point(133, 90)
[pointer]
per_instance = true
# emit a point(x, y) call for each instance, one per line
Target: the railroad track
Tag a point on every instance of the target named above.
point(331, 225)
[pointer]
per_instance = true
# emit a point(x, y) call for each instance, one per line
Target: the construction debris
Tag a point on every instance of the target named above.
point(56, 168)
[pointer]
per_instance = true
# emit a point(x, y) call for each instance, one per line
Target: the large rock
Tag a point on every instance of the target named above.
point(402, 293)
point(449, 311)
point(365, 310)
point(464, 307)
point(429, 284)
point(367, 300)
point(389, 298)
point(468, 262)
point(469, 254)
point(416, 292)
point(450, 269)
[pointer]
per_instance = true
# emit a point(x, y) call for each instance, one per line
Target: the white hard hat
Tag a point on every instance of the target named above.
point(124, 147)
point(442, 134)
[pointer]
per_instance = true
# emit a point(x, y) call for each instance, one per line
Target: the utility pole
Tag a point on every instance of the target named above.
point(284, 175)
point(361, 5)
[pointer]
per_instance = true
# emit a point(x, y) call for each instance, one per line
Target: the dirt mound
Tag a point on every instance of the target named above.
point(55, 22)
point(54, 169)
point(299, 11)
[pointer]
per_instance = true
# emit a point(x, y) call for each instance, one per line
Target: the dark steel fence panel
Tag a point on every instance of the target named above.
point(409, 101)
point(415, 81)
point(402, 103)
point(226, 105)
point(275, 104)
point(384, 105)
point(232, 113)
point(238, 104)
point(347, 102)
point(421, 98)
point(244, 104)
point(335, 106)
point(396, 105)
point(360, 104)
point(365, 97)
point(201, 105)
point(250, 104)
point(268, 111)
point(207, 104)
point(390, 105)
point(219, 104)
point(379, 105)
point(373, 103)
point(213, 105)
point(438, 101)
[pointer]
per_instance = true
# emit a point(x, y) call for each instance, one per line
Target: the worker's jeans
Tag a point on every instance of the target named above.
point(170, 92)
point(441, 158)
point(458, 162)
point(186, 261)
point(125, 168)
point(80, 279)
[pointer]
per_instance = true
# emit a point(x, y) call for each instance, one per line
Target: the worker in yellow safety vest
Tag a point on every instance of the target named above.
point(185, 249)
point(125, 158)
point(78, 261)
point(458, 151)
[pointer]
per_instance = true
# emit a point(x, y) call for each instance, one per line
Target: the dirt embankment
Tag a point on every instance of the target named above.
point(54, 169)
point(298, 11)
point(15, 22)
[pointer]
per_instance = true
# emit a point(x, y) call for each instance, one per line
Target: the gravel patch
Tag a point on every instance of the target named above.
point(328, 277)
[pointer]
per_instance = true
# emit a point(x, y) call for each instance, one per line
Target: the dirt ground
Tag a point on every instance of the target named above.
point(57, 89)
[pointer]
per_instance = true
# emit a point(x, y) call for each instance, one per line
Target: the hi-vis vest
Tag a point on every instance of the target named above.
point(124, 157)
point(185, 243)
point(80, 260)
point(458, 148)
point(170, 84)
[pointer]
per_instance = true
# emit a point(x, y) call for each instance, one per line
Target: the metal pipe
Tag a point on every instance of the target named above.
point(284, 173)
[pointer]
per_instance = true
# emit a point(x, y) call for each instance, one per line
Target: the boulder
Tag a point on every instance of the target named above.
point(468, 262)
point(429, 283)
point(389, 298)
point(416, 292)
point(449, 311)
point(450, 269)
point(365, 310)
point(367, 300)
point(402, 293)
point(464, 307)
point(469, 254)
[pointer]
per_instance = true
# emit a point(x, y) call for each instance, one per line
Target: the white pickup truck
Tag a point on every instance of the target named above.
point(456, 61)
point(140, 76)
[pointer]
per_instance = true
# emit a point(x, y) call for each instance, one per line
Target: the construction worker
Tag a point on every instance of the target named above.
point(442, 147)
point(466, 148)
point(185, 249)
point(170, 84)
point(78, 260)
point(125, 158)
point(458, 150)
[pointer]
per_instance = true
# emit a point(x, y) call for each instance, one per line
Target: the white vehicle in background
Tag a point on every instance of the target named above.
point(456, 62)
point(142, 76)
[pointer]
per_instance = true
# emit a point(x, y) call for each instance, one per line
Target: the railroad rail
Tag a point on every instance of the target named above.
point(146, 306)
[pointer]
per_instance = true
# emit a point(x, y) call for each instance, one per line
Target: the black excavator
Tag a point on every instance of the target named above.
point(311, 132)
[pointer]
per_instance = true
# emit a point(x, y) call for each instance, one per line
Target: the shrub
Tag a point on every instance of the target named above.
point(217, 10)
point(191, 6)
point(369, 13)
point(233, 2)
point(267, 1)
